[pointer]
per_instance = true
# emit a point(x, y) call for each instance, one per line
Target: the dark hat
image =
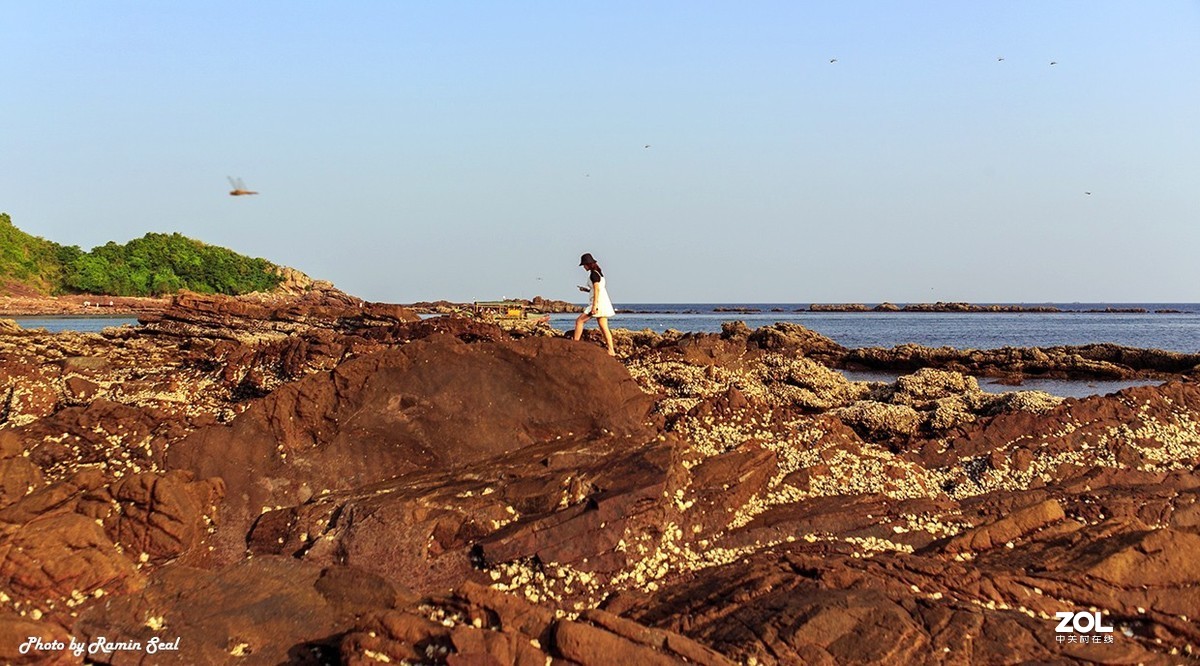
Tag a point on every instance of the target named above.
point(586, 259)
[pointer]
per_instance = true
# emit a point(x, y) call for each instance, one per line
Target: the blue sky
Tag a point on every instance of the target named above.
point(424, 150)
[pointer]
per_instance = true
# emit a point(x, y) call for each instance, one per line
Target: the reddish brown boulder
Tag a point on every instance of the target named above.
point(113, 436)
point(477, 625)
point(71, 542)
point(1159, 558)
point(163, 516)
point(818, 605)
point(18, 476)
point(1008, 528)
point(435, 404)
point(265, 610)
point(569, 502)
point(50, 560)
point(15, 647)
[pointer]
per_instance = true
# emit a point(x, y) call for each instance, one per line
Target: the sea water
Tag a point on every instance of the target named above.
point(1173, 331)
point(82, 324)
point(963, 330)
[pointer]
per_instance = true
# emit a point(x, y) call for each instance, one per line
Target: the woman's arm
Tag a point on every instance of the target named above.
point(594, 280)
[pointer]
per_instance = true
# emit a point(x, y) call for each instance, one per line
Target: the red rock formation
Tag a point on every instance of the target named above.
point(435, 404)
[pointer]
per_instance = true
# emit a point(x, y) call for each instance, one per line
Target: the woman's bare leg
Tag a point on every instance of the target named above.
point(579, 322)
point(607, 334)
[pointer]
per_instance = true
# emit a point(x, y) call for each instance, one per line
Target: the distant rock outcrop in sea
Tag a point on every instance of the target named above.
point(937, 307)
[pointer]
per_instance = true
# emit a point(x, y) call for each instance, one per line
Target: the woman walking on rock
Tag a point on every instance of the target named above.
point(601, 307)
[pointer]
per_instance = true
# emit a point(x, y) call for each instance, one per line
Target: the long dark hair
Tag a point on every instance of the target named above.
point(595, 267)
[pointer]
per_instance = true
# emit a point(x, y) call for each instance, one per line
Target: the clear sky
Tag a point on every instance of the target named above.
point(472, 150)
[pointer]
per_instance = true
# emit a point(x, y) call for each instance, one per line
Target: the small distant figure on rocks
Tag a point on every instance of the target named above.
point(601, 306)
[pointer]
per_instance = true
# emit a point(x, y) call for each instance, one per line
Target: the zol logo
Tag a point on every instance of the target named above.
point(1081, 621)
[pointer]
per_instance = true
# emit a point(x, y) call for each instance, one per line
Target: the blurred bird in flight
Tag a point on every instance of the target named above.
point(239, 188)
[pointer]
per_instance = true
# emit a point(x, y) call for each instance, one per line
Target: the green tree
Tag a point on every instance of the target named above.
point(153, 264)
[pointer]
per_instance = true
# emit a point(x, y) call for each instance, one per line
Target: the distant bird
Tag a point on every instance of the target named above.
point(1053, 62)
point(1088, 193)
point(646, 146)
point(1000, 59)
point(832, 60)
point(239, 188)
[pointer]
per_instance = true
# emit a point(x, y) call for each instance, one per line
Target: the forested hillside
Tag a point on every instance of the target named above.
point(153, 265)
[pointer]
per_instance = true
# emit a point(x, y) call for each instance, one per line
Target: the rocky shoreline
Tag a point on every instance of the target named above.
point(80, 305)
point(319, 479)
point(537, 303)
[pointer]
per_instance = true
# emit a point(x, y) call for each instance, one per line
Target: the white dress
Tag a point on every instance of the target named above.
point(604, 306)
